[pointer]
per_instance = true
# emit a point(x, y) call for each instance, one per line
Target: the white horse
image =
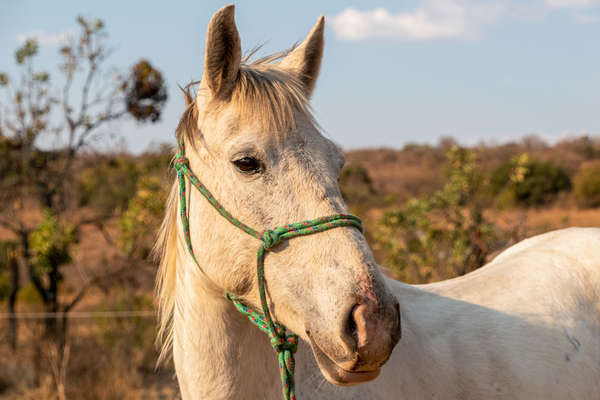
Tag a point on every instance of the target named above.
point(526, 326)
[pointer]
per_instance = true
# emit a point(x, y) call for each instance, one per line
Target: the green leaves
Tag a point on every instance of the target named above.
point(145, 92)
point(587, 185)
point(526, 181)
point(51, 243)
point(28, 50)
point(90, 25)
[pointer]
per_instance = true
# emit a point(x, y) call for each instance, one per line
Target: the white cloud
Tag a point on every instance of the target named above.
point(434, 19)
point(445, 19)
point(46, 38)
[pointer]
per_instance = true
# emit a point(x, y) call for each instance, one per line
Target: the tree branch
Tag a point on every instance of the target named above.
point(94, 282)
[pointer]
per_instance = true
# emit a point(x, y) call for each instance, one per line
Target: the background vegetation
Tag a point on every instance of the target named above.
point(77, 224)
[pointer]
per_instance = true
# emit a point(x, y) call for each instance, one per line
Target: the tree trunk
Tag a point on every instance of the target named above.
point(12, 301)
point(53, 330)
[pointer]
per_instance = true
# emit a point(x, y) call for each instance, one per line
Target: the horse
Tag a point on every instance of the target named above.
point(525, 326)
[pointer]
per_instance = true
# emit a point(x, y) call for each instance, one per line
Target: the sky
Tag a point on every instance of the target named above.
point(393, 72)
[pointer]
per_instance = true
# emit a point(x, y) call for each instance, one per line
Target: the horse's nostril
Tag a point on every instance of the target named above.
point(364, 324)
point(351, 329)
point(376, 332)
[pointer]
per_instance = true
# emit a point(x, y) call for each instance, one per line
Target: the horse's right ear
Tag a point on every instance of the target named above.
point(223, 53)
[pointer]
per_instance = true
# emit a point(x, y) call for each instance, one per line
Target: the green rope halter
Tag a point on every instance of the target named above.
point(285, 345)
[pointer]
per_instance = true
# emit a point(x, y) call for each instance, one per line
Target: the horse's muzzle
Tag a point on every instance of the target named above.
point(375, 332)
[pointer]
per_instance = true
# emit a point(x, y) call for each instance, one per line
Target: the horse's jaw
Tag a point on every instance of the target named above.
point(335, 373)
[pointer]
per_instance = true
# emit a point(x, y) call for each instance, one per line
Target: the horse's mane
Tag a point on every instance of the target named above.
point(264, 94)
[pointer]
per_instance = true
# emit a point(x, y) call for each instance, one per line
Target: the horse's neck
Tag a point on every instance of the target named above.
point(422, 359)
point(217, 353)
point(420, 353)
point(441, 336)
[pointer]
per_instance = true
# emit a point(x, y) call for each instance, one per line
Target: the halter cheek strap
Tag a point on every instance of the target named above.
point(285, 345)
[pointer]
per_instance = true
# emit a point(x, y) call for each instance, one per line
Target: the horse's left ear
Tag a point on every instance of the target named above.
point(223, 53)
point(305, 60)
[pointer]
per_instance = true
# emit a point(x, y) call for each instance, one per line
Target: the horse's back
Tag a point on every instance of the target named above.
point(580, 243)
point(555, 266)
point(530, 318)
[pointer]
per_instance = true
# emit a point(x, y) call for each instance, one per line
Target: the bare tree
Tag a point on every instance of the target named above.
point(43, 130)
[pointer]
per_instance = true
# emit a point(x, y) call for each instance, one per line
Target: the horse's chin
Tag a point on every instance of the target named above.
point(338, 375)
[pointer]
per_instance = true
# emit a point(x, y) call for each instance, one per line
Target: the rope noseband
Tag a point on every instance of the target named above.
point(285, 345)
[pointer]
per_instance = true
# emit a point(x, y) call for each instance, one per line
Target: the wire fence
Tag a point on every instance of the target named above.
point(80, 314)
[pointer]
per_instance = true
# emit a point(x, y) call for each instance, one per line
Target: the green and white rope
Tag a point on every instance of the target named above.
point(285, 345)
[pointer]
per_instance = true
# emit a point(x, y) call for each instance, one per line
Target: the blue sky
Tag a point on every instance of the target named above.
point(393, 72)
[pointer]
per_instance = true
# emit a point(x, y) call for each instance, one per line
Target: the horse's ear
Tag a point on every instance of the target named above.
point(223, 53)
point(305, 60)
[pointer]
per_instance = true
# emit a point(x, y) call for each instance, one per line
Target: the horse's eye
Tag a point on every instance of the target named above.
point(247, 165)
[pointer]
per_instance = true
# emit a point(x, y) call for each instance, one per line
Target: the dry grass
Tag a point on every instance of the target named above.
point(104, 360)
point(536, 221)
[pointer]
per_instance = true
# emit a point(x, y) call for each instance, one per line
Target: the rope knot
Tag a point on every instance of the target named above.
point(181, 163)
point(285, 342)
point(270, 239)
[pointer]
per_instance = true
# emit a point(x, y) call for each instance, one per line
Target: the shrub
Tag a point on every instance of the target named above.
point(29, 294)
point(586, 185)
point(356, 184)
point(142, 217)
point(529, 182)
point(156, 161)
point(443, 235)
point(109, 185)
point(51, 243)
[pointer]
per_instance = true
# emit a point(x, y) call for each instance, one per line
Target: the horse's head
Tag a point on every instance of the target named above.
point(252, 141)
